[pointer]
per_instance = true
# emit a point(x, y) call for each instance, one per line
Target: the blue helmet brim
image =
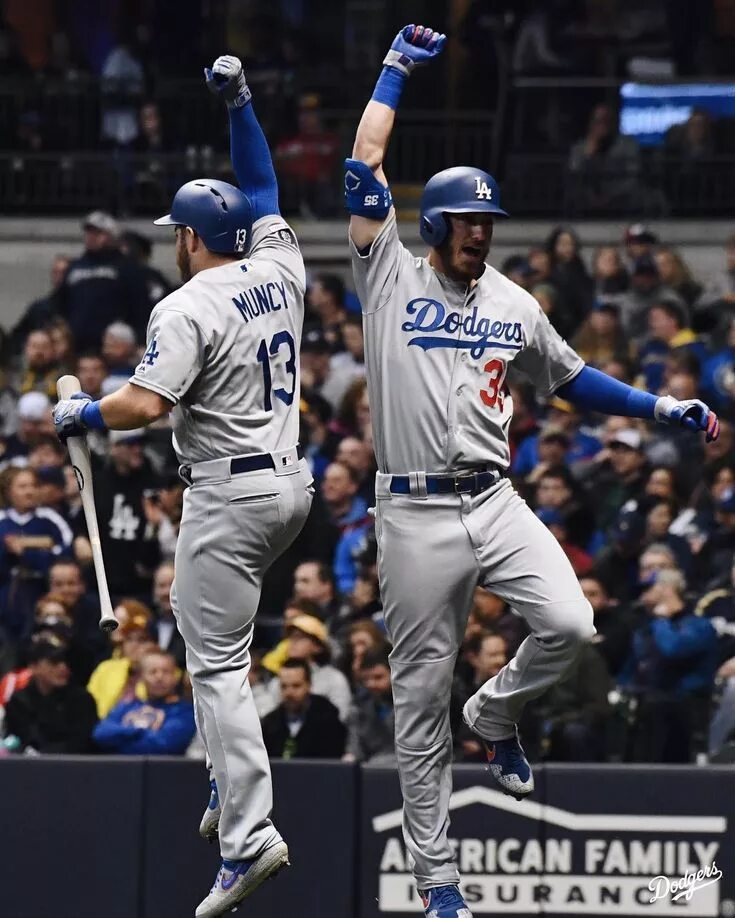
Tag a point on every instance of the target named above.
point(474, 209)
point(166, 221)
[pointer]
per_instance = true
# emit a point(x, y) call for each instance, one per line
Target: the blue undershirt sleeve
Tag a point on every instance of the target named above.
point(596, 391)
point(252, 162)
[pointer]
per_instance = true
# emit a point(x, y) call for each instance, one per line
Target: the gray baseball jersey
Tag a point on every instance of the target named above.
point(224, 348)
point(437, 355)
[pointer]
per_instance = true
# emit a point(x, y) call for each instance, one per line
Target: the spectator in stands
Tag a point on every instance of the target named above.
point(675, 274)
point(614, 623)
point(326, 298)
point(129, 545)
point(606, 166)
point(557, 490)
point(555, 522)
point(718, 373)
point(102, 285)
point(306, 163)
point(42, 311)
point(164, 624)
point(91, 371)
point(118, 679)
point(721, 744)
point(318, 441)
point(34, 422)
point(315, 581)
point(32, 537)
point(51, 715)
point(315, 366)
point(518, 269)
point(304, 724)
point(490, 613)
point(63, 344)
point(348, 515)
point(66, 582)
point(351, 362)
point(363, 636)
point(371, 725)
point(360, 459)
point(52, 490)
point(48, 452)
point(564, 425)
point(122, 85)
point(274, 658)
point(719, 293)
point(646, 290)
point(308, 640)
point(671, 671)
point(553, 307)
point(660, 515)
point(601, 336)
point(640, 241)
point(39, 369)
point(485, 653)
point(668, 334)
point(692, 143)
point(163, 509)
point(139, 249)
point(119, 350)
point(719, 607)
point(715, 556)
point(163, 724)
point(569, 275)
point(609, 273)
point(619, 477)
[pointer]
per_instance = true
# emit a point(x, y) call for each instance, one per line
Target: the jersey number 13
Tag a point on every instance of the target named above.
point(265, 352)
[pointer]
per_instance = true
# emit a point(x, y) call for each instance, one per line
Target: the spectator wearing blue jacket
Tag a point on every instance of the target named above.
point(668, 333)
point(162, 725)
point(718, 373)
point(349, 516)
point(32, 538)
point(671, 671)
point(563, 417)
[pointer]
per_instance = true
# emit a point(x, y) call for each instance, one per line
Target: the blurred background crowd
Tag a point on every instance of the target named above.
point(645, 514)
point(584, 108)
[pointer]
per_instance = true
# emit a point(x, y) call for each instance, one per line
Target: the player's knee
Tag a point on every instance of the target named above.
point(573, 622)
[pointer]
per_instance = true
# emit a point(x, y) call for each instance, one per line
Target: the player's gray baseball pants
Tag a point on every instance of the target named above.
point(232, 529)
point(432, 553)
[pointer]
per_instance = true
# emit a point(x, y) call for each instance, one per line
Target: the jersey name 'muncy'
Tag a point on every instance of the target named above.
point(261, 299)
point(478, 334)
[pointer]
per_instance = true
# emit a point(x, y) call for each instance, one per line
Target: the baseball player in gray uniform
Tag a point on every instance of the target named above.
point(223, 357)
point(441, 333)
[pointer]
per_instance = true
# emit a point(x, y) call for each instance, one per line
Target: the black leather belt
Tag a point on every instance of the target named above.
point(240, 464)
point(471, 483)
point(256, 462)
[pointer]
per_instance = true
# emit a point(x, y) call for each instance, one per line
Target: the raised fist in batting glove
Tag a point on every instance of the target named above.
point(414, 45)
point(227, 81)
point(690, 413)
point(69, 416)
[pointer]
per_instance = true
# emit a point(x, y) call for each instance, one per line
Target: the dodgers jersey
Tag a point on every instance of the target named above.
point(437, 354)
point(224, 348)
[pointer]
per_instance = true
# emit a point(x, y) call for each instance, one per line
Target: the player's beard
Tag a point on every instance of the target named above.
point(183, 261)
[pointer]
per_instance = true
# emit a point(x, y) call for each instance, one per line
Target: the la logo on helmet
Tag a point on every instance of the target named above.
point(482, 189)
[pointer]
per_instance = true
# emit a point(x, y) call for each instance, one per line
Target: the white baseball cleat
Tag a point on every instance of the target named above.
point(209, 826)
point(236, 880)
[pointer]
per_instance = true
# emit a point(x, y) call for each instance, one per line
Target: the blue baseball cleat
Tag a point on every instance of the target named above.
point(209, 826)
point(236, 880)
point(444, 902)
point(509, 766)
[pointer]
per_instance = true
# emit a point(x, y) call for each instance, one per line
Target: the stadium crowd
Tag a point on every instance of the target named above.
point(645, 514)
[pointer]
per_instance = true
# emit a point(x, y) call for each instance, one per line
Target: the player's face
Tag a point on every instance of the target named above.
point(467, 246)
point(183, 260)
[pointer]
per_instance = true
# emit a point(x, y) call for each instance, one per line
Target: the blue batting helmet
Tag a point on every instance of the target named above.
point(459, 190)
point(220, 213)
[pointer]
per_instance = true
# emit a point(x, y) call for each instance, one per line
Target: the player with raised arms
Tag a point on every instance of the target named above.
point(223, 357)
point(441, 333)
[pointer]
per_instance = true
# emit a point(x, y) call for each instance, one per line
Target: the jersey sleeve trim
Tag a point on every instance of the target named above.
point(569, 377)
point(154, 387)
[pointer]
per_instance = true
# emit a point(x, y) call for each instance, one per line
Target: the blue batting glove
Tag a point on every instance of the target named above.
point(227, 80)
point(690, 413)
point(414, 45)
point(69, 416)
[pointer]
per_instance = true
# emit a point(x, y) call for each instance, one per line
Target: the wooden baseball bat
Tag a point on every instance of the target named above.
point(79, 453)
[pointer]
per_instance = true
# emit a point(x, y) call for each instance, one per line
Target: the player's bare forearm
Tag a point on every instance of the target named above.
point(373, 134)
point(133, 406)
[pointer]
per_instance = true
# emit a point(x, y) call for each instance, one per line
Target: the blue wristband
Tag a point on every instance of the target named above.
point(91, 416)
point(389, 87)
